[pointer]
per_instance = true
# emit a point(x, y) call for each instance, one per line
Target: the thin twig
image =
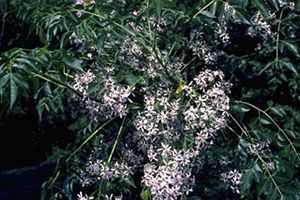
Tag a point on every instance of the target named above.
point(272, 120)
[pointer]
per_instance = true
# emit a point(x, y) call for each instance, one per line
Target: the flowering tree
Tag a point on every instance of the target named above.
point(160, 96)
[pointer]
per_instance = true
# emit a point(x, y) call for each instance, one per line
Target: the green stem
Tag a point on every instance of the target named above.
point(277, 39)
point(202, 9)
point(269, 173)
point(116, 141)
point(258, 156)
point(88, 139)
point(60, 83)
point(238, 124)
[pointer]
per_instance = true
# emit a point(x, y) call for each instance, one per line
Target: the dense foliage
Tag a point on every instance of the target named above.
point(168, 99)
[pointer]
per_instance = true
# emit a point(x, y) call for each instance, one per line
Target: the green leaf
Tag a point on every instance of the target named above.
point(145, 194)
point(278, 111)
point(13, 91)
point(211, 11)
point(261, 6)
point(266, 188)
point(63, 39)
point(274, 3)
point(4, 80)
point(244, 108)
point(131, 79)
point(290, 66)
point(24, 61)
point(20, 81)
point(264, 121)
point(242, 16)
point(158, 7)
point(246, 180)
point(292, 47)
point(47, 89)
point(73, 63)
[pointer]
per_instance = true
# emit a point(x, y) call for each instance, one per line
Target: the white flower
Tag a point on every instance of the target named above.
point(172, 177)
point(85, 3)
point(81, 196)
point(260, 27)
point(98, 170)
point(233, 178)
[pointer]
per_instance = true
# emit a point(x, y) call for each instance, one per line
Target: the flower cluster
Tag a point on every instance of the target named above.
point(81, 196)
point(172, 177)
point(260, 27)
point(222, 33)
point(85, 3)
point(202, 50)
point(288, 4)
point(113, 197)
point(233, 178)
point(230, 10)
point(101, 170)
point(111, 102)
point(207, 107)
point(130, 53)
point(147, 122)
point(168, 174)
point(260, 148)
point(82, 82)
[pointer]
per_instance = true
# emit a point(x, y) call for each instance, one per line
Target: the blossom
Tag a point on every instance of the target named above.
point(99, 169)
point(170, 179)
point(112, 102)
point(288, 4)
point(113, 197)
point(233, 178)
point(202, 50)
point(81, 196)
point(82, 82)
point(259, 26)
point(85, 3)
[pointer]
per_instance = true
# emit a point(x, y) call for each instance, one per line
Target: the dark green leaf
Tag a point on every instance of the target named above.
point(13, 91)
point(73, 63)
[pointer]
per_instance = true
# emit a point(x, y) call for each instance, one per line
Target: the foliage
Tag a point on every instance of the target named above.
point(151, 81)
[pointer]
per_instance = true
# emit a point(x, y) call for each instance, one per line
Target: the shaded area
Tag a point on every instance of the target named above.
point(15, 33)
point(24, 183)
